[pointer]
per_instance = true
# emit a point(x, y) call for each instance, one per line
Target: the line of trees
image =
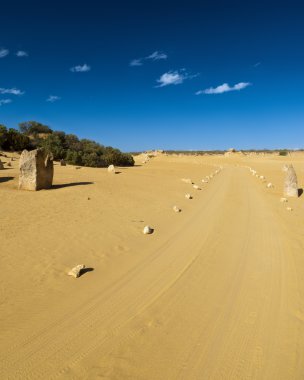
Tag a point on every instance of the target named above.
point(69, 147)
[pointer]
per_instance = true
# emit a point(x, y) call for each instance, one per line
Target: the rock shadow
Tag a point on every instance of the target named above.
point(6, 179)
point(300, 192)
point(71, 184)
point(85, 270)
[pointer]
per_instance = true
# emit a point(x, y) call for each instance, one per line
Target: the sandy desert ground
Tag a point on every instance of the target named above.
point(216, 292)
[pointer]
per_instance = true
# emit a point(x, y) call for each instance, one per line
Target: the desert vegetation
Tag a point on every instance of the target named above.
point(69, 147)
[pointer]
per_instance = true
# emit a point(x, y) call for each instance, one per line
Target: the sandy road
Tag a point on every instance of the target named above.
point(219, 298)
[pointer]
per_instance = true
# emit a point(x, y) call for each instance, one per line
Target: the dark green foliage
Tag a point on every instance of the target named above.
point(283, 153)
point(33, 128)
point(11, 139)
point(62, 146)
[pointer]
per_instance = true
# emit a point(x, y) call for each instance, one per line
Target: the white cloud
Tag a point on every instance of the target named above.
point(12, 91)
point(21, 53)
point(136, 62)
point(4, 53)
point(5, 101)
point(80, 68)
point(174, 77)
point(224, 88)
point(53, 98)
point(156, 56)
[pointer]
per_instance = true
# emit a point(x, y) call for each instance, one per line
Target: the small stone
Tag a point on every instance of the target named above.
point(62, 163)
point(269, 185)
point(78, 167)
point(111, 169)
point(188, 196)
point(196, 187)
point(176, 209)
point(187, 180)
point(288, 208)
point(76, 271)
point(8, 164)
point(147, 230)
point(283, 200)
point(1, 165)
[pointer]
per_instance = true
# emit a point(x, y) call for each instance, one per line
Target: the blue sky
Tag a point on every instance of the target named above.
point(139, 75)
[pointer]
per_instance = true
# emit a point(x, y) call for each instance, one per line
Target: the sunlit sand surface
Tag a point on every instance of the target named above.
point(216, 292)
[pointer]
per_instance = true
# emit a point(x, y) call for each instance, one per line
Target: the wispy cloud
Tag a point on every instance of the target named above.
point(155, 56)
point(174, 77)
point(223, 88)
point(80, 68)
point(5, 101)
point(53, 98)
point(21, 53)
point(3, 53)
point(257, 64)
point(12, 91)
point(136, 62)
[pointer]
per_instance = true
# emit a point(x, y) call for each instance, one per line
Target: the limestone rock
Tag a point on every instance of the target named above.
point(187, 180)
point(147, 230)
point(269, 185)
point(288, 208)
point(76, 271)
point(111, 169)
point(188, 196)
point(283, 200)
point(291, 182)
point(176, 209)
point(62, 163)
point(35, 170)
point(196, 187)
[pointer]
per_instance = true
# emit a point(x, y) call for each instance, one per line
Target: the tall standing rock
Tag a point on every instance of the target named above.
point(1, 165)
point(291, 182)
point(35, 170)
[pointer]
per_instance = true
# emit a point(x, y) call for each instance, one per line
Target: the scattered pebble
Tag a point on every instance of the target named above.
point(76, 271)
point(147, 230)
point(288, 208)
point(196, 187)
point(176, 209)
point(187, 180)
point(269, 185)
point(188, 196)
point(283, 200)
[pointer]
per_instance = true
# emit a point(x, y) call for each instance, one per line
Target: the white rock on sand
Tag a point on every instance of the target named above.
point(76, 271)
point(283, 200)
point(269, 185)
point(111, 169)
point(188, 196)
point(176, 209)
point(187, 180)
point(147, 230)
point(196, 187)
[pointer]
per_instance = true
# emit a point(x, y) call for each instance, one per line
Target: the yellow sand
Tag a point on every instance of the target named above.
point(216, 292)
